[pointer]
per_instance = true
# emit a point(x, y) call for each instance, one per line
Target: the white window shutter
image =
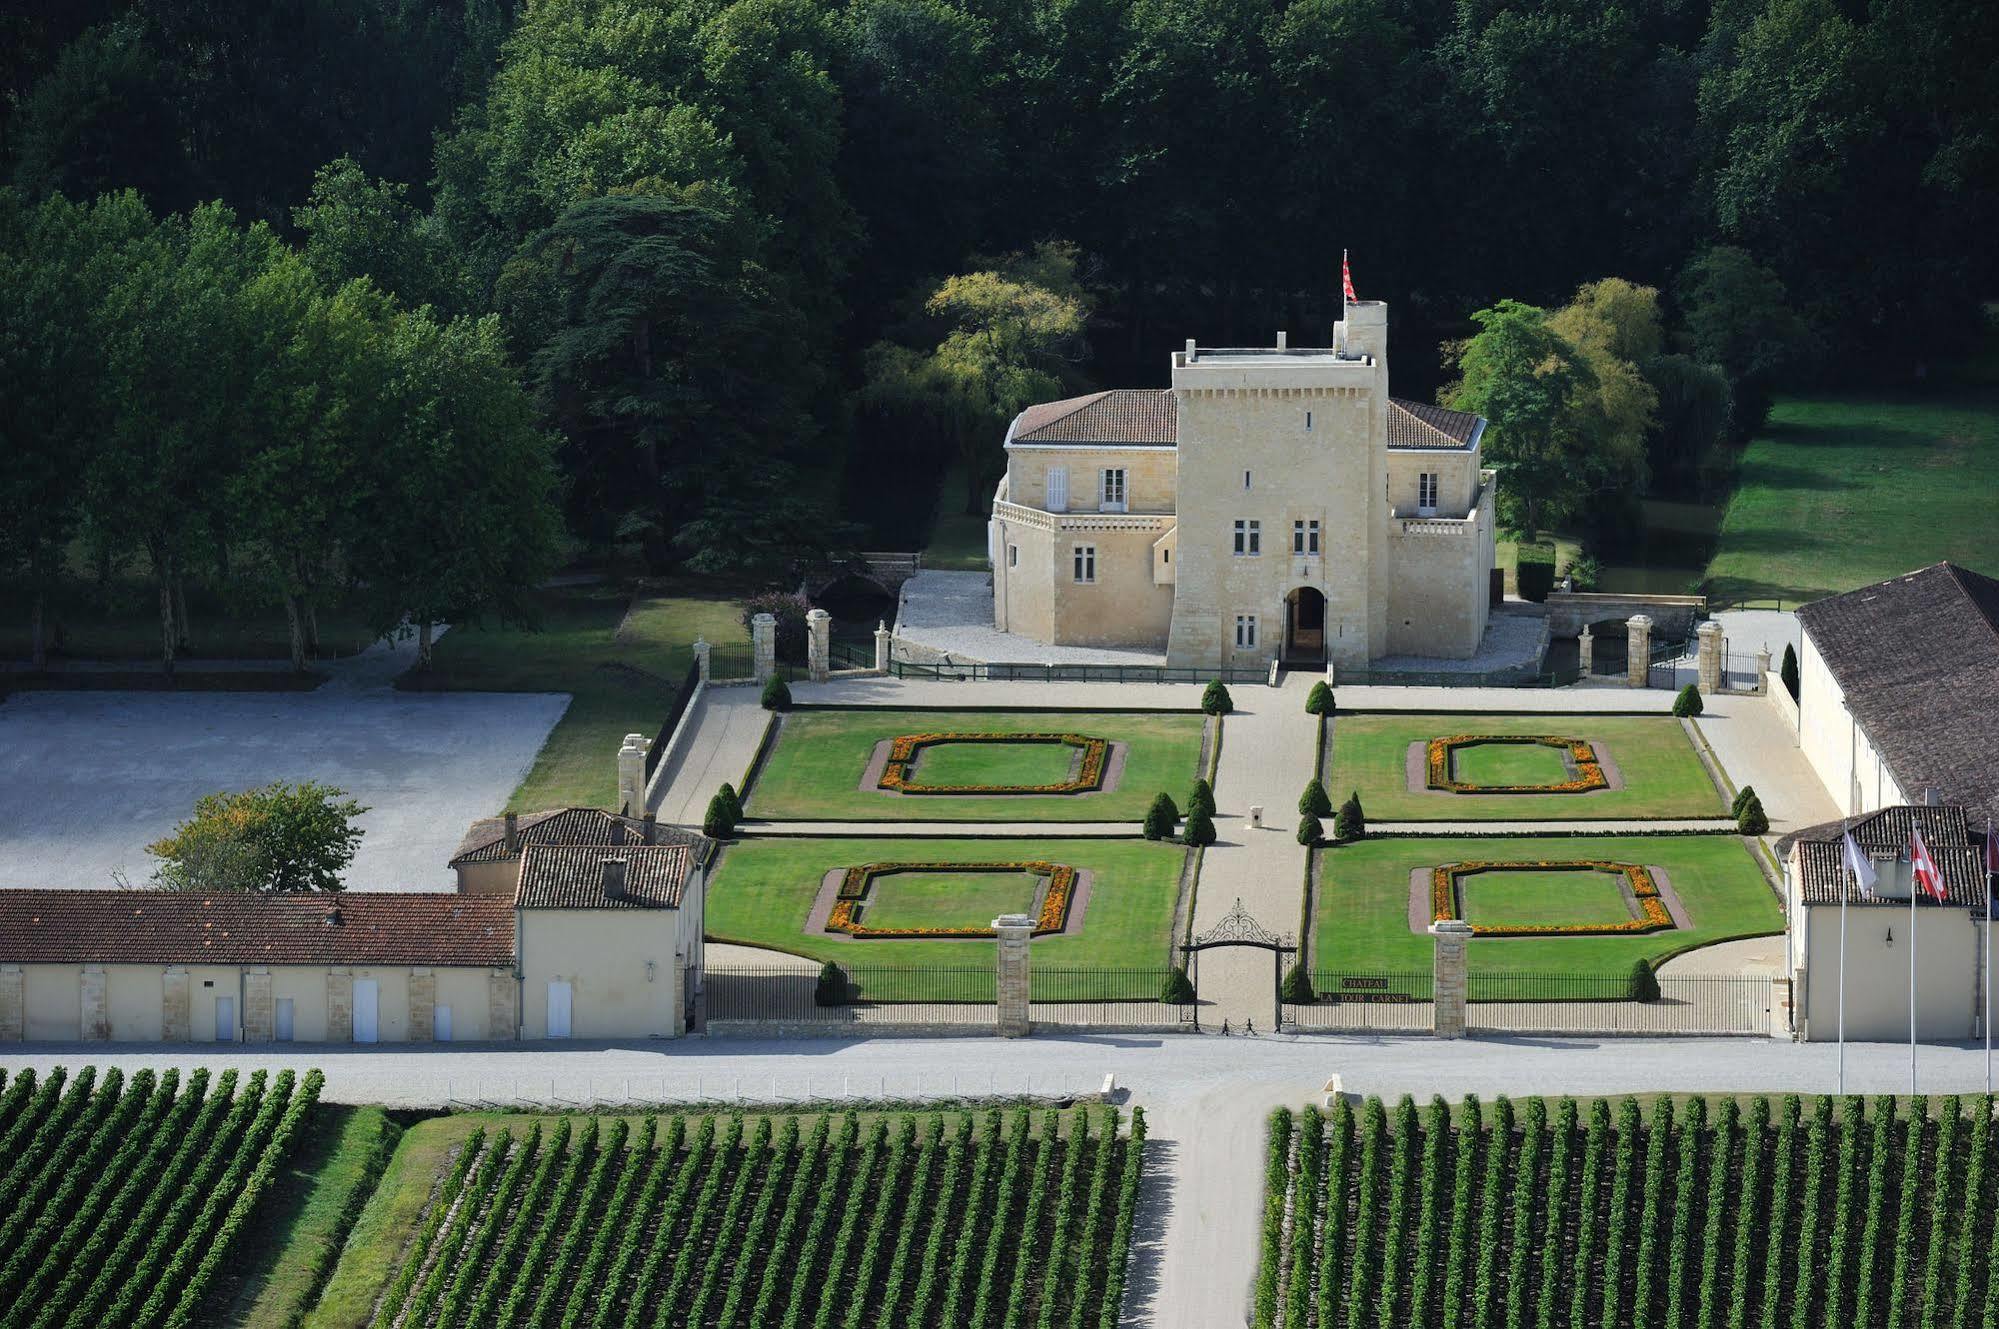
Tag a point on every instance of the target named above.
point(1058, 488)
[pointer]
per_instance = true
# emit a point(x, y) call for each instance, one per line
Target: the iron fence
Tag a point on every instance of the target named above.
point(1121, 998)
point(970, 671)
point(1621, 1004)
point(850, 995)
point(1384, 1002)
point(1739, 671)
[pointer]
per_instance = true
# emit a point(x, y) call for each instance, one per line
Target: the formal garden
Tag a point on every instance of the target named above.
point(878, 765)
point(1566, 767)
point(1581, 905)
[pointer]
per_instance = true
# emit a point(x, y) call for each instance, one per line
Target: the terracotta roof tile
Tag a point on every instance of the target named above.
point(1126, 416)
point(1885, 835)
point(1412, 424)
point(486, 841)
point(573, 877)
point(184, 927)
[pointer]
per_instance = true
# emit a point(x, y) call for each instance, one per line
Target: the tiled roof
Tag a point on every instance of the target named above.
point(1412, 424)
point(1918, 659)
point(1129, 416)
point(574, 877)
point(486, 841)
point(1885, 834)
point(185, 927)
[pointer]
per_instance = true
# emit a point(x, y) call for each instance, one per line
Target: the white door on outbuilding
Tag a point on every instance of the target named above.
point(367, 1010)
point(440, 1024)
point(284, 1017)
point(225, 1019)
point(558, 1008)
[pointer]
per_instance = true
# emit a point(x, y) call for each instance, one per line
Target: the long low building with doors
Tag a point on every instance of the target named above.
point(590, 929)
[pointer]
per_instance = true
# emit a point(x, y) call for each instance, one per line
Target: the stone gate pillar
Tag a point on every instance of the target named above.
point(1447, 977)
point(1585, 651)
point(259, 1011)
point(632, 775)
point(1638, 647)
point(763, 646)
point(818, 644)
point(702, 651)
point(1013, 930)
point(1711, 647)
point(883, 640)
point(1763, 670)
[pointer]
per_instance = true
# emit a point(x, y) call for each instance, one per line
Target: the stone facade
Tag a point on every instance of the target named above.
point(423, 1006)
point(1014, 1002)
point(1448, 976)
point(1282, 506)
point(96, 1018)
point(339, 1006)
point(259, 1009)
point(502, 1014)
point(176, 1005)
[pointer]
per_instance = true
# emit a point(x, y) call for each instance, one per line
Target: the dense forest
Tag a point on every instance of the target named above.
point(723, 246)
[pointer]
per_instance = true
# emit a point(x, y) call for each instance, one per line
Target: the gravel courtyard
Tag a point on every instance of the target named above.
point(87, 779)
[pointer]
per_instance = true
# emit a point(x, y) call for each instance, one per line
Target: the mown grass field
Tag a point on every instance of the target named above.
point(1698, 1215)
point(1360, 918)
point(122, 1201)
point(1840, 491)
point(1663, 776)
point(762, 891)
point(620, 658)
point(814, 769)
point(1511, 899)
point(920, 1219)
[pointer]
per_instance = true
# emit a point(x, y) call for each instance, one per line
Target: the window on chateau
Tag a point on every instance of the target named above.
point(1113, 488)
point(1426, 491)
point(1013, 556)
point(1058, 488)
point(1245, 631)
point(1248, 538)
point(1305, 537)
point(1245, 479)
point(1308, 419)
point(1086, 563)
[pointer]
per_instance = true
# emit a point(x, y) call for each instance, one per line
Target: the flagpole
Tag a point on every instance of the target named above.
point(1989, 858)
point(1844, 892)
point(1912, 975)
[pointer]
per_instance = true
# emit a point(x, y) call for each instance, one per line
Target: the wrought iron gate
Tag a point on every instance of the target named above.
point(1237, 928)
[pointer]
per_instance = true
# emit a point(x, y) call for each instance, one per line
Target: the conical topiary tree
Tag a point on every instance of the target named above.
point(1314, 801)
point(777, 694)
point(1752, 820)
point(719, 822)
point(1688, 703)
point(831, 989)
point(1789, 670)
point(1202, 798)
point(1351, 823)
point(1643, 985)
point(1309, 832)
point(1297, 986)
point(1319, 701)
point(1160, 817)
point(1199, 830)
point(1178, 989)
point(1742, 796)
point(1215, 700)
point(728, 793)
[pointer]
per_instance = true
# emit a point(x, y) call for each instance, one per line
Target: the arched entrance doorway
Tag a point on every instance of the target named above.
point(1305, 625)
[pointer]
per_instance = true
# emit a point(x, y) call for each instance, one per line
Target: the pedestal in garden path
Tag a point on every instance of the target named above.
point(1447, 977)
point(1013, 930)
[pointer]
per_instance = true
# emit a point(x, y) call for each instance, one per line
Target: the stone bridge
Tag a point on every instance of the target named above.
point(1673, 616)
point(887, 570)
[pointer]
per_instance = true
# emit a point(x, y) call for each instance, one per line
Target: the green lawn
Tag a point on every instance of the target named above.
point(1564, 899)
point(1663, 776)
point(1361, 915)
point(815, 768)
point(1509, 763)
point(1843, 491)
point(995, 763)
point(947, 899)
point(762, 895)
point(620, 659)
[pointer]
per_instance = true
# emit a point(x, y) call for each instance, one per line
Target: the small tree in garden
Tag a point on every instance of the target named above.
point(728, 793)
point(719, 822)
point(1643, 985)
point(831, 990)
point(1202, 798)
point(273, 840)
point(1216, 700)
point(1314, 801)
point(1297, 986)
point(1688, 703)
point(1199, 830)
point(1789, 670)
point(1751, 820)
point(1160, 817)
point(1309, 833)
point(1351, 824)
point(777, 695)
point(1742, 796)
point(1319, 701)
point(1178, 989)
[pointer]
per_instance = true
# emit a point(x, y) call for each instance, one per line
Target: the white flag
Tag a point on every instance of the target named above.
point(1857, 863)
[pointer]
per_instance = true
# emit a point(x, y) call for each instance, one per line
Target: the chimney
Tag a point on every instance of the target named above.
point(1192, 354)
point(651, 827)
point(512, 822)
point(1282, 339)
point(614, 878)
point(1931, 799)
point(333, 915)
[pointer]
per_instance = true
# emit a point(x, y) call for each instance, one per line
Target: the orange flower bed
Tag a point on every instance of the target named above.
point(1589, 771)
point(905, 748)
point(1653, 915)
point(855, 883)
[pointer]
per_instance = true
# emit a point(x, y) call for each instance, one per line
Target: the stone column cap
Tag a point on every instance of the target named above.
point(1639, 620)
point(1006, 923)
point(1451, 927)
point(815, 612)
point(763, 618)
point(1710, 628)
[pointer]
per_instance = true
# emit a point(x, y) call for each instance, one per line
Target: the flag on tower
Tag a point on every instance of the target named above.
point(1923, 868)
point(1346, 277)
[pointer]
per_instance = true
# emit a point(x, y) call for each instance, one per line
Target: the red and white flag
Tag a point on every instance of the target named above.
point(1346, 277)
point(1923, 868)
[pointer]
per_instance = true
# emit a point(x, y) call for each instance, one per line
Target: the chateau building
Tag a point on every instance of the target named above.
point(1274, 502)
